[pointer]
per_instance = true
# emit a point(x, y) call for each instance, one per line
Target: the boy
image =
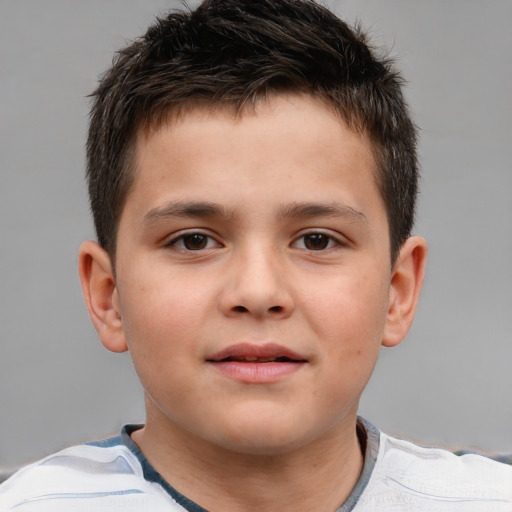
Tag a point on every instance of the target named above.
point(252, 174)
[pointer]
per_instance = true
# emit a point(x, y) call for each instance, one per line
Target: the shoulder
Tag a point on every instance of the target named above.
point(437, 480)
point(107, 474)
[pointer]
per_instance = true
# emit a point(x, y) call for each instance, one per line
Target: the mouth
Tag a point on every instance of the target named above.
point(251, 363)
point(251, 359)
point(251, 353)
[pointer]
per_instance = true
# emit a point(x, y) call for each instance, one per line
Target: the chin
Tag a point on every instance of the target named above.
point(265, 437)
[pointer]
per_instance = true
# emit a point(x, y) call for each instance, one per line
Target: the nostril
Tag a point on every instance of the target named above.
point(276, 309)
point(240, 309)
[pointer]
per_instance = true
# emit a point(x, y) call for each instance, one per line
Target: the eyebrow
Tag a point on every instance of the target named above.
point(311, 210)
point(197, 209)
point(204, 209)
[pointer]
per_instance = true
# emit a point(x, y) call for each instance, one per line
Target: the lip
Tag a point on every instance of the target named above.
point(266, 350)
point(272, 362)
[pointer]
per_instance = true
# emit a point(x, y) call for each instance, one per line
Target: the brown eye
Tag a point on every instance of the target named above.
point(195, 242)
point(316, 241)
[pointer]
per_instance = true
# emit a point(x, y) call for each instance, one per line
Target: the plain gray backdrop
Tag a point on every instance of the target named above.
point(448, 383)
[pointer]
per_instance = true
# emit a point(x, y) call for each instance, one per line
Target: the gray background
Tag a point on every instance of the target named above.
point(448, 383)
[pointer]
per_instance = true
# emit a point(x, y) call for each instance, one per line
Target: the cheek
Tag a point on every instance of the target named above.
point(162, 318)
point(164, 341)
point(349, 307)
point(349, 319)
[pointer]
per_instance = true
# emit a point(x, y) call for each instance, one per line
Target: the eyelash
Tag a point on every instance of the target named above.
point(332, 242)
point(179, 242)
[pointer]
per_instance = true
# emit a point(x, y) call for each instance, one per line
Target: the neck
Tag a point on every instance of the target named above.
point(318, 476)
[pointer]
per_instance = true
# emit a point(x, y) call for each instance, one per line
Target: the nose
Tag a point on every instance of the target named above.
point(256, 285)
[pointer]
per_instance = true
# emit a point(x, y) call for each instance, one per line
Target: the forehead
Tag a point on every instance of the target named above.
point(295, 140)
point(194, 113)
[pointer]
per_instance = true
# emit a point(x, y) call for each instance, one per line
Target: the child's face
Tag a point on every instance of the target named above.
point(247, 240)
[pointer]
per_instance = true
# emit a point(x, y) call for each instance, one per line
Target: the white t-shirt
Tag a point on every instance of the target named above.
point(397, 476)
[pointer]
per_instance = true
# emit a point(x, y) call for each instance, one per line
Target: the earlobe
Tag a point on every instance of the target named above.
point(101, 295)
point(406, 281)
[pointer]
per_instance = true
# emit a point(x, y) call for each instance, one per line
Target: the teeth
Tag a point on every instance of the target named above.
point(252, 359)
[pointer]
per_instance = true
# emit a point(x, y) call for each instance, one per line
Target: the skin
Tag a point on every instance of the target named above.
point(264, 228)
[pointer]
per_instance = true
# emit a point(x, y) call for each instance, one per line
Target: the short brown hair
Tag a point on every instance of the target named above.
point(234, 52)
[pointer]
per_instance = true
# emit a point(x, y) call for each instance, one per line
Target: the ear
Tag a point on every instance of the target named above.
point(101, 296)
point(404, 292)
